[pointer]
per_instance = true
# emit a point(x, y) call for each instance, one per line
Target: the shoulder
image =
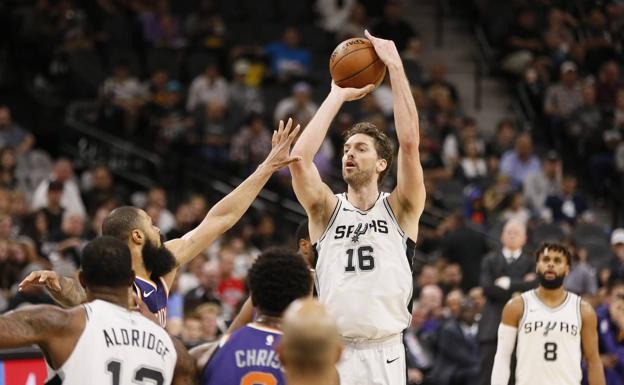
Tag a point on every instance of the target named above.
point(587, 312)
point(512, 312)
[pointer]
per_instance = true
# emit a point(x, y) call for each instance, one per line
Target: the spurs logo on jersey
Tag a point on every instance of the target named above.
point(363, 270)
point(549, 342)
point(119, 346)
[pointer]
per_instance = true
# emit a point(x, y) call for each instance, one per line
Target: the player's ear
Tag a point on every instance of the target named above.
point(382, 164)
point(137, 236)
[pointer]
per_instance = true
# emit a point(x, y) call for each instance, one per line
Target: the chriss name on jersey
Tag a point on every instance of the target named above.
point(546, 327)
point(377, 226)
point(135, 337)
point(257, 357)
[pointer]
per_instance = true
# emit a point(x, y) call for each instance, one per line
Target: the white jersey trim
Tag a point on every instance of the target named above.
point(548, 308)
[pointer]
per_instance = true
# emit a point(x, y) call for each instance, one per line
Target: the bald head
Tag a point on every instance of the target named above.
point(311, 343)
point(514, 235)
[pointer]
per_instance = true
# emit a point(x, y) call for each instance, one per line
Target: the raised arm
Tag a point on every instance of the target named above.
point(589, 342)
point(314, 195)
point(408, 198)
point(507, 333)
point(223, 215)
point(64, 290)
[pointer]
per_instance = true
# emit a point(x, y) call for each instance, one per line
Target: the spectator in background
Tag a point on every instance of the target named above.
point(581, 279)
point(430, 300)
point(615, 265)
point(161, 28)
point(231, 289)
point(561, 100)
point(610, 327)
point(524, 42)
point(12, 135)
point(102, 190)
point(521, 161)
point(183, 221)
point(514, 209)
point(418, 354)
point(503, 273)
point(251, 144)
point(208, 88)
point(437, 79)
point(392, 26)
point(457, 361)
point(504, 139)
point(66, 246)
point(71, 201)
point(206, 292)
point(568, 205)
point(191, 334)
point(472, 168)
point(428, 276)
point(454, 141)
point(9, 178)
point(609, 83)
point(170, 124)
point(53, 211)
point(157, 196)
point(586, 121)
point(206, 29)
point(214, 132)
point(466, 247)
point(334, 13)
point(598, 42)
point(288, 59)
point(451, 278)
point(355, 25)
point(299, 105)
point(540, 184)
point(122, 97)
point(245, 98)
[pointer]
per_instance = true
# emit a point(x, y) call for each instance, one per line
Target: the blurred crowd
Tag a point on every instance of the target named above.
point(210, 79)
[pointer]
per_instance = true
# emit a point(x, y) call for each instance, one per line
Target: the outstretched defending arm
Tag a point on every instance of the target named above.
point(315, 196)
point(223, 215)
point(408, 198)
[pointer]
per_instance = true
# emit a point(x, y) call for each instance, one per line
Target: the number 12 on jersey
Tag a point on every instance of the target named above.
point(366, 261)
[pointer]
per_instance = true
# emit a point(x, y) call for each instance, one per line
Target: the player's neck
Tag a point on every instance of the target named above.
point(117, 296)
point(269, 321)
point(363, 197)
point(551, 297)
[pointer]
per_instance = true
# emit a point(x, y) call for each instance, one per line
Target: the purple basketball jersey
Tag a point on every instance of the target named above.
point(248, 357)
point(155, 297)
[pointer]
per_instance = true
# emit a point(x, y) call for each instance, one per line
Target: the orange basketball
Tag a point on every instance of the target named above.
point(354, 63)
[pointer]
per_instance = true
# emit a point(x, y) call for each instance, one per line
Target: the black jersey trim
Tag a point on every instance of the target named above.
point(391, 213)
point(331, 220)
point(56, 380)
point(410, 254)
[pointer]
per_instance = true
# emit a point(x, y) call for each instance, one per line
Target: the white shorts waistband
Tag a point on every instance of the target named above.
point(364, 343)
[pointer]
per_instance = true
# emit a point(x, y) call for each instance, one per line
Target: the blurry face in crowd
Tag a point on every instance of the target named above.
point(102, 178)
point(428, 276)
point(476, 295)
point(5, 117)
point(524, 146)
point(552, 267)
point(618, 250)
point(291, 37)
point(453, 302)
point(452, 275)
point(513, 236)
point(63, 170)
point(431, 298)
point(73, 225)
point(568, 186)
point(551, 168)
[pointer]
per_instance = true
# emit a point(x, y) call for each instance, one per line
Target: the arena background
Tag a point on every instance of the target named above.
point(168, 105)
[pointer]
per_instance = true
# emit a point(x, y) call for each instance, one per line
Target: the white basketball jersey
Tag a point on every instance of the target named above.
point(119, 346)
point(363, 270)
point(549, 342)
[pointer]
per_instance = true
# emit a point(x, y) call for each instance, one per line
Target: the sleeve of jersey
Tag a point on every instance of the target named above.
point(504, 349)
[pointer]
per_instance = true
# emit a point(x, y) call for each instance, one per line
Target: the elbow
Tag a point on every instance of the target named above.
point(410, 144)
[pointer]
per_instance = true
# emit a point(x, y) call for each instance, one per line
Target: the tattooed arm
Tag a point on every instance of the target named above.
point(66, 291)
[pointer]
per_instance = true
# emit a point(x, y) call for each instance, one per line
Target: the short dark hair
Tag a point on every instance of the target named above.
point(302, 231)
point(383, 145)
point(120, 222)
point(556, 247)
point(106, 262)
point(277, 278)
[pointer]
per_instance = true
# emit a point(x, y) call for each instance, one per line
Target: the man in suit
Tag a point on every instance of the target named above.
point(509, 270)
point(457, 362)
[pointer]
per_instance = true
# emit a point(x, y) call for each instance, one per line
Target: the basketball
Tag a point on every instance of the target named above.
point(354, 63)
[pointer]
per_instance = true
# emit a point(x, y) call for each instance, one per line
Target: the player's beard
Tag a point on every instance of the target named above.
point(358, 177)
point(551, 284)
point(157, 259)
